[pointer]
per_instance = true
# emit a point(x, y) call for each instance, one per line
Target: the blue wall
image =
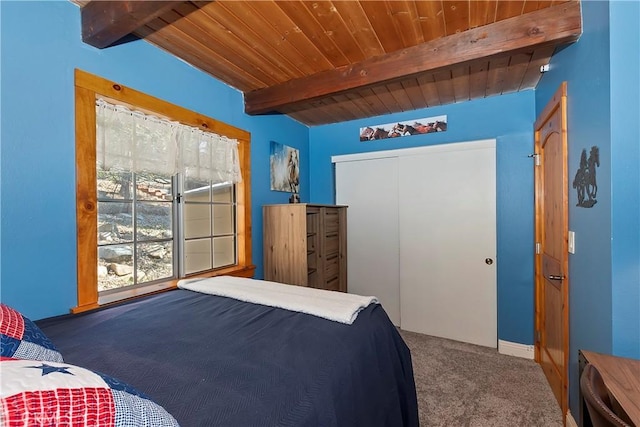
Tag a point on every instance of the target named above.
point(625, 176)
point(509, 119)
point(41, 46)
point(602, 74)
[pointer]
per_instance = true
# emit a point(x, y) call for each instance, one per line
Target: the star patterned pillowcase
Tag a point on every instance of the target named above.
point(36, 392)
point(20, 338)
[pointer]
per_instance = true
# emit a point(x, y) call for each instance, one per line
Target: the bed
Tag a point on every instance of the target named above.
point(212, 360)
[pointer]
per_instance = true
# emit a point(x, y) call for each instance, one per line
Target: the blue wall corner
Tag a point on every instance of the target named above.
point(602, 74)
point(625, 176)
point(41, 47)
point(585, 67)
point(508, 118)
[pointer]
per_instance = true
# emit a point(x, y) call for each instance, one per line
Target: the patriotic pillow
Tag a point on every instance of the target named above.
point(42, 393)
point(20, 338)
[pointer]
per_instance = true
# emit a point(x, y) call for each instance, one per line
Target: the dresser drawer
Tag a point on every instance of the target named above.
point(333, 285)
point(331, 245)
point(331, 267)
point(331, 222)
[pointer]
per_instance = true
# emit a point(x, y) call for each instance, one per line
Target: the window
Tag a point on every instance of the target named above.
point(135, 229)
point(161, 211)
point(209, 226)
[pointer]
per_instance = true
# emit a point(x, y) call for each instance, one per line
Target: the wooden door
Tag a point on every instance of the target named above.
point(448, 281)
point(552, 228)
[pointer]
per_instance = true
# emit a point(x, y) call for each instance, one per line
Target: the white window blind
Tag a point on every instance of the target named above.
point(137, 142)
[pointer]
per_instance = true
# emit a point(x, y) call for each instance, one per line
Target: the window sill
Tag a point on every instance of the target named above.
point(130, 294)
point(126, 294)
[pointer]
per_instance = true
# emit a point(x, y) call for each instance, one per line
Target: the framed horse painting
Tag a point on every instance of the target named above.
point(285, 168)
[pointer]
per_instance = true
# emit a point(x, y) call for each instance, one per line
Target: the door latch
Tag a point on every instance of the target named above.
point(536, 158)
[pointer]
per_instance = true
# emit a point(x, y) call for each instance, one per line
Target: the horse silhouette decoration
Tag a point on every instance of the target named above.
point(585, 179)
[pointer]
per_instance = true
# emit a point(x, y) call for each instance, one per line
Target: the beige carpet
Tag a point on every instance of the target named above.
point(461, 384)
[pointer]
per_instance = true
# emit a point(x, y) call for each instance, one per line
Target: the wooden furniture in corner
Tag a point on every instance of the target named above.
point(306, 245)
point(622, 378)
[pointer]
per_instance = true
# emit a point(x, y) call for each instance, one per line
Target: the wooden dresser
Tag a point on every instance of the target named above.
point(306, 245)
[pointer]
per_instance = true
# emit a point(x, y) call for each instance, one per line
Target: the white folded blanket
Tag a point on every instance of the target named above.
point(336, 306)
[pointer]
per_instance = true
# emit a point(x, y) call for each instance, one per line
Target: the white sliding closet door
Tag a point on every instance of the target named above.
point(447, 213)
point(422, 236)
point(370, 189)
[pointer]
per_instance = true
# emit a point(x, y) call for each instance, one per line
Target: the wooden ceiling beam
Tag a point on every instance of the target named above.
point(552, 26)
point(106, 22)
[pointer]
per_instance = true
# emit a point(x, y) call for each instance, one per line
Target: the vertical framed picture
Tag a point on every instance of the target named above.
point(285, 168)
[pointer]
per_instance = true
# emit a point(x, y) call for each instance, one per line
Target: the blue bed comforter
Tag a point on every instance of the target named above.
point(215, 361)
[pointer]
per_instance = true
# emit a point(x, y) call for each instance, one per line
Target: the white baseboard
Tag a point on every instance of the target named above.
point(516, 349)
point(570, 421)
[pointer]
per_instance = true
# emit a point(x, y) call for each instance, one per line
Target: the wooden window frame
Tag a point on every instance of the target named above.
point(88, 88)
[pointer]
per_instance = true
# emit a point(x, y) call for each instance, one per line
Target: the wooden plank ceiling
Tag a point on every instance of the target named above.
point(330, 61)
